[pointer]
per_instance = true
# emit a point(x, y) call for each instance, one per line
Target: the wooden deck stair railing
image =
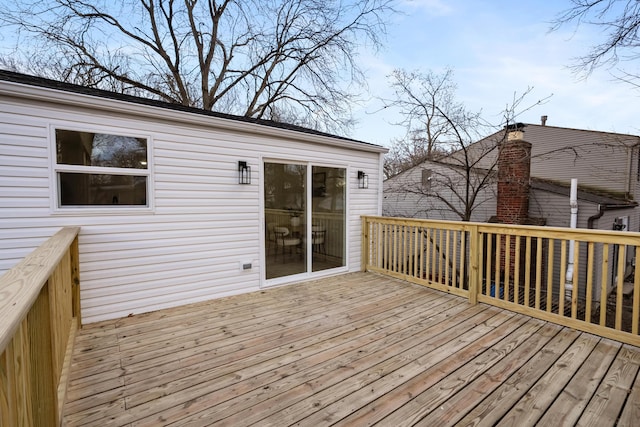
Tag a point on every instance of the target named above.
point(39, 314)
point(519, 268)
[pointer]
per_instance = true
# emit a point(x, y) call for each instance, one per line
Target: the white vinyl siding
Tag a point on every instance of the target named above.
point(203, 224)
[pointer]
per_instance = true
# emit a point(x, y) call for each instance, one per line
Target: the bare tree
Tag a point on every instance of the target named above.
point(426, 101)
point(453, 186)
point(286, 59)
point(620, 21)
point(459, 165)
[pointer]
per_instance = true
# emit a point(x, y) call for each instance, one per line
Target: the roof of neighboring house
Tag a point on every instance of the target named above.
point(602, 161)
point(523, 127)
point(562, 138)
point(25, 79)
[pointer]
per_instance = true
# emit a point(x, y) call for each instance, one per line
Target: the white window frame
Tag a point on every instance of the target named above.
point(56, 168)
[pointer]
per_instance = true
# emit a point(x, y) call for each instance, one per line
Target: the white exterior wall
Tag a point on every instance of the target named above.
point(188, 247)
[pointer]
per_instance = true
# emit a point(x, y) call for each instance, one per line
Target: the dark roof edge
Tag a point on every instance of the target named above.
point(26, 79)
point(580, 130)
point(523, 126)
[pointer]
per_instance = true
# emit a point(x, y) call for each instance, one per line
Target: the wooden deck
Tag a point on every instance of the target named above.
point(356, 349)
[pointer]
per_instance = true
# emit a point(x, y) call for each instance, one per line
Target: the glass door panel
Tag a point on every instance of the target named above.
point(285, 197)
point(327, 233)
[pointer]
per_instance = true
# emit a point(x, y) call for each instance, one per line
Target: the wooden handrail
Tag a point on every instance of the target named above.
point(517, 267)
point(39, 313)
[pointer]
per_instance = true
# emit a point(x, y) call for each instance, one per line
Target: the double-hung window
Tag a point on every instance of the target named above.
point(101, 170)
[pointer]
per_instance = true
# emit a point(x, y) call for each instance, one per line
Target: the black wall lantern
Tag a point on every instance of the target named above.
point(363, 180)
point(244, 173)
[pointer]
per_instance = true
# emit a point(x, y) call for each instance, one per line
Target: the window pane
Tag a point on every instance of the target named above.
point(79, 189)
point(285, 215)
point(100, 149)
point(328, 218)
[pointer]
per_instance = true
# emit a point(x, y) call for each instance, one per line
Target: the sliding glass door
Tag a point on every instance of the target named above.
point(300, 240)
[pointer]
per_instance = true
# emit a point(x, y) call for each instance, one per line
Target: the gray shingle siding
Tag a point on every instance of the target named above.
point(406, 196)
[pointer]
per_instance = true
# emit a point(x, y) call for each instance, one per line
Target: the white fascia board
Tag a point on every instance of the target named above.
point(50, 95)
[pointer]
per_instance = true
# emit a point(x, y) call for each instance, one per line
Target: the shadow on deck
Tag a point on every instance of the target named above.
point(354, 349)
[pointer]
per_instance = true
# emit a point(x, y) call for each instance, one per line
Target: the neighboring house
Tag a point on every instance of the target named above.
point(436, 190)
point(157, 191)
point(605, 165)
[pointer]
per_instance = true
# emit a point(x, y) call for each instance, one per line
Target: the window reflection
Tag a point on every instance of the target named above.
point(86, 165)
point(100, 149)
point(328, 218)
point(79, 189)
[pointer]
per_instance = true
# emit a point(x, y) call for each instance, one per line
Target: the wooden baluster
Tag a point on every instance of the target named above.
point(635, 313)
point(590, 252)
point(464, 235)
point(538, 271)
point(550, 258)
point(497, 266)
point(527, 277)
point(516, 272)
point(563, 276)
point(454, 258)
point(575, 289)
point(622, 259)
point(603, 284)
point(507, 265)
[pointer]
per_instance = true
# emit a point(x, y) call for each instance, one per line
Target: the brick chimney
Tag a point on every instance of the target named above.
point(514, 168)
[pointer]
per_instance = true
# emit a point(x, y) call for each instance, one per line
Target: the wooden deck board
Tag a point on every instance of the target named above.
point(344, 338)
point(608, 401)
point(452, 410)
point(309, 383)
point(569, 405)
point(532, 406)
point(356, 349)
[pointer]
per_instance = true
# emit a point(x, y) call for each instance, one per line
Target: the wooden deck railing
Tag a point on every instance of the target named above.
point(527, 269)
point(39, 313)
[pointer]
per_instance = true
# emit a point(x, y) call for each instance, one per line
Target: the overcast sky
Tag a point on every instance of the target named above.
point(497, 48)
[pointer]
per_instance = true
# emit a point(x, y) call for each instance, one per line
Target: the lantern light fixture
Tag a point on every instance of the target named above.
point(363, 180)
point(244, 173)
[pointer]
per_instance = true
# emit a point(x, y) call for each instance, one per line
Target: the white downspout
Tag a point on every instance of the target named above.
point(573, 202)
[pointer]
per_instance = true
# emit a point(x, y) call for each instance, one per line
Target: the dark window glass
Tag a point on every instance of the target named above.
point(80, 189)
point(100, 149)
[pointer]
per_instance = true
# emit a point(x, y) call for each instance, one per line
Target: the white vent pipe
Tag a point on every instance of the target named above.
point(573, 203)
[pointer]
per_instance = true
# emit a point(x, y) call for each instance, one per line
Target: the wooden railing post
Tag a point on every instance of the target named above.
point(474, 263)
point(43, 376)
point(39, 299)
point(365, 245)
point(75, 280)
